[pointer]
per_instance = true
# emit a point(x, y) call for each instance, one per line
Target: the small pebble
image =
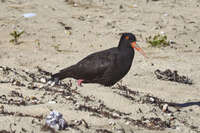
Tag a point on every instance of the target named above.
point(52, 102)
point(35, 101)
point(40, 86)
point(170, 114)
point(33, 98)
point(162, 32)
point(112, 123)
point(152, 99)
point(128, 123)
point(29, 15)
point(43, 80)
point(172, 42)
point(165, 107)
point(27, 98)
point(115, 114)
point(166, 14)
point(77, 105)
point(68, 97)
point(51, 83)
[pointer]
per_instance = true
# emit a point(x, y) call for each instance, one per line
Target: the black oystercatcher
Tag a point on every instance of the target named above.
point(105, 67)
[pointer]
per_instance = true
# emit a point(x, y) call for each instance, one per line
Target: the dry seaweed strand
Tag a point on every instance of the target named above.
point(147, 98)
point(11, 101)
point(103, 131)
point(6, 71)
point(19, 114)
point(149, 123)
point(4, 131)
point(64, 90)
point(97, 110)
point(125, 91)
point(172, 76)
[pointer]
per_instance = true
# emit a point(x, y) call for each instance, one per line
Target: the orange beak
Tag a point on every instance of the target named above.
point(134, 45)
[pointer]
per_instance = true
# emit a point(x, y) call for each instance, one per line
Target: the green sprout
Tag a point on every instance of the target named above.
point(37, 42)
point(57, 47)
point(16, 35)
point(158, 41)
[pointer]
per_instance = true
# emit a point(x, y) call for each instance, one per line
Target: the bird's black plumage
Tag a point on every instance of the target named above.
point(105, 67)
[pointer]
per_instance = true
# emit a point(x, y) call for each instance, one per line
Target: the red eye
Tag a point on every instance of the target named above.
point(127, 37)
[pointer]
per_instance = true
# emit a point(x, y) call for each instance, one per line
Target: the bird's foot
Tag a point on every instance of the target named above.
point(80, 82)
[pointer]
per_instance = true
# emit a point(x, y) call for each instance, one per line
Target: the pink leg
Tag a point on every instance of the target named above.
point(80, 82)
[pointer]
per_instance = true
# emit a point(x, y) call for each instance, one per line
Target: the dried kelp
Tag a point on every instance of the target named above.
point(124, 91)
point(103, 131)
point(150, 123)
point(4, 131)
point(172, 76)
point(19, 114)
point(97, 110)
point(63, 93)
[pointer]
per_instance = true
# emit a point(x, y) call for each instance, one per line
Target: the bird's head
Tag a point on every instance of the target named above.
point(130, 39)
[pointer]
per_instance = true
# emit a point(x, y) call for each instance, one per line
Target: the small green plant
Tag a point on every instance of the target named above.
point(16, 35)
point(57, 47)
point(37, 42)
point(158, 41)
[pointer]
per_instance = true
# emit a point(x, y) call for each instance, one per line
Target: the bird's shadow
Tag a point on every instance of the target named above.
point(187, 104)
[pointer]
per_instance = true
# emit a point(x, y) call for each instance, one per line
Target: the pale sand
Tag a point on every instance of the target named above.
point(95, 26)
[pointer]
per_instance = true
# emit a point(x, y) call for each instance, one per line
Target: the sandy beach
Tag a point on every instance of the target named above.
point(61, 32)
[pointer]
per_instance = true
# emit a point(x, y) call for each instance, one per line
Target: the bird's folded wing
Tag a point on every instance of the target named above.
point(94, 65)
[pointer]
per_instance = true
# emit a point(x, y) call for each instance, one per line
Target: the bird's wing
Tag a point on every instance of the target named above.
point(94, 65)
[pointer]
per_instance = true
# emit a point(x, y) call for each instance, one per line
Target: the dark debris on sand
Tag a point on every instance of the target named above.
point(4, 131)
point(95, 107)
point(103, 131)
point(172, 76)
point(137, 97)
point(150, 123)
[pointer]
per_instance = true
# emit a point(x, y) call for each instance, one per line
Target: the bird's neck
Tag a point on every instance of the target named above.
point(122, 42)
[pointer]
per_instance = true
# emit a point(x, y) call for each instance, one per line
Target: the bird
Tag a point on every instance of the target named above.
point(104, 67)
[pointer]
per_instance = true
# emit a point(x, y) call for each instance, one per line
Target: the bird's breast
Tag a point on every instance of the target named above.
point(124, 63)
